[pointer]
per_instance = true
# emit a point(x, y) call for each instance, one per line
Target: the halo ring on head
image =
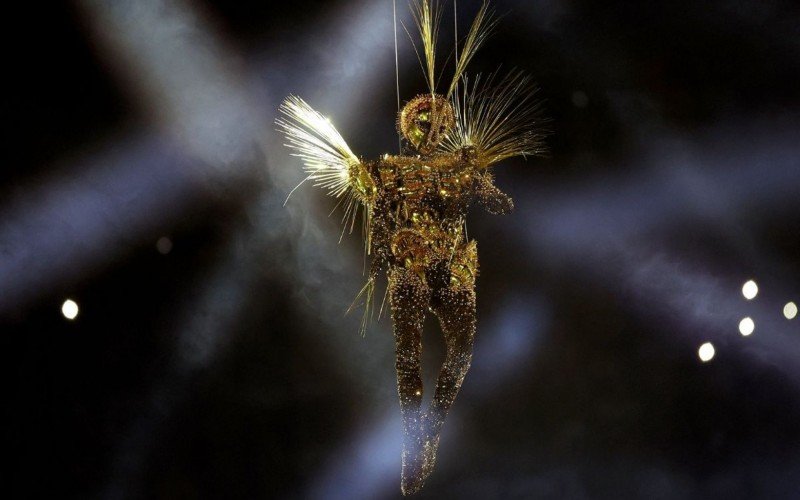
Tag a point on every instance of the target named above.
point(425, 120)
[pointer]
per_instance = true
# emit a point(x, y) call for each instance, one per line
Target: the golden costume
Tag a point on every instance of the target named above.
point(415, 207)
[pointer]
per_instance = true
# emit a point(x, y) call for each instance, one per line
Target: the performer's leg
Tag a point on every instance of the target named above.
point(456, 310)
point(409, 297)
point(455, 307)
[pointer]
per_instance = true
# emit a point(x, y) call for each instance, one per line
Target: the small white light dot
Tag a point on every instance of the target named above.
point(750, 290)
point(69, 309)
point(164, 245)
point(747, 326)
point(790, 310)
point(706, 352)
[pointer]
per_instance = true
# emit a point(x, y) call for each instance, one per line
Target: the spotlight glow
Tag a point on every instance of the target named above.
point(69, 309)
point(706, 352)
point(750, 290)
point(790, 310)
point(747, 326)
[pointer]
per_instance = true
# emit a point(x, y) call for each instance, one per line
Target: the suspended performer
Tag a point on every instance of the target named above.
point(415, 206)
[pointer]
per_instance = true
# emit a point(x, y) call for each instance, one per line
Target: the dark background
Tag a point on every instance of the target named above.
point(226, 368)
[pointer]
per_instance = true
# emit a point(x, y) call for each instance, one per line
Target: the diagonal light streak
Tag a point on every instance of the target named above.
point(604, 232)
point(75, 223)
point(201, 103)
point(598, 229)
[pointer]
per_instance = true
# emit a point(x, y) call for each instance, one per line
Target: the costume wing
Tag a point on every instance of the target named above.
point(499, 117)
point(326, 156)
point(327, 159)
point(330, 164)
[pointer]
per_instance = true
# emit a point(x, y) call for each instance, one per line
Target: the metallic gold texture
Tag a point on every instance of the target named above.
point(425, 120)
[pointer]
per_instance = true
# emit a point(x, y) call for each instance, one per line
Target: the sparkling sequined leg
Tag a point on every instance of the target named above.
point(456, 310)
point(409, 297)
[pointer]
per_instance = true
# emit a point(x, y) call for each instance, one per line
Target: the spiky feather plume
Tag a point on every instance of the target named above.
point(482, 26)
point(327, 159)
point(501, 120)
point(326, 156)
point(427, 17)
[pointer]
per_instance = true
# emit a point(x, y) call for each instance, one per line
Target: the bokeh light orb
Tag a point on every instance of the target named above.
point(750, 290)
point(69, 309)
point(706, 352)
point(790, 310)
point(747, 326)
point(580, 99)
point(164, 245)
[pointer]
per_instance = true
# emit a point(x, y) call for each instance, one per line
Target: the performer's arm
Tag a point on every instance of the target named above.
point(490, 197)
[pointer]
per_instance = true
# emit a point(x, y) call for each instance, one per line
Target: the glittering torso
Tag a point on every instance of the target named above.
point(416, 231)
point(418, 217)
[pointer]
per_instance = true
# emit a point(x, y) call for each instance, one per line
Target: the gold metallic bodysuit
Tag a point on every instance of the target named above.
point(417, 232)
point(415, 207)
